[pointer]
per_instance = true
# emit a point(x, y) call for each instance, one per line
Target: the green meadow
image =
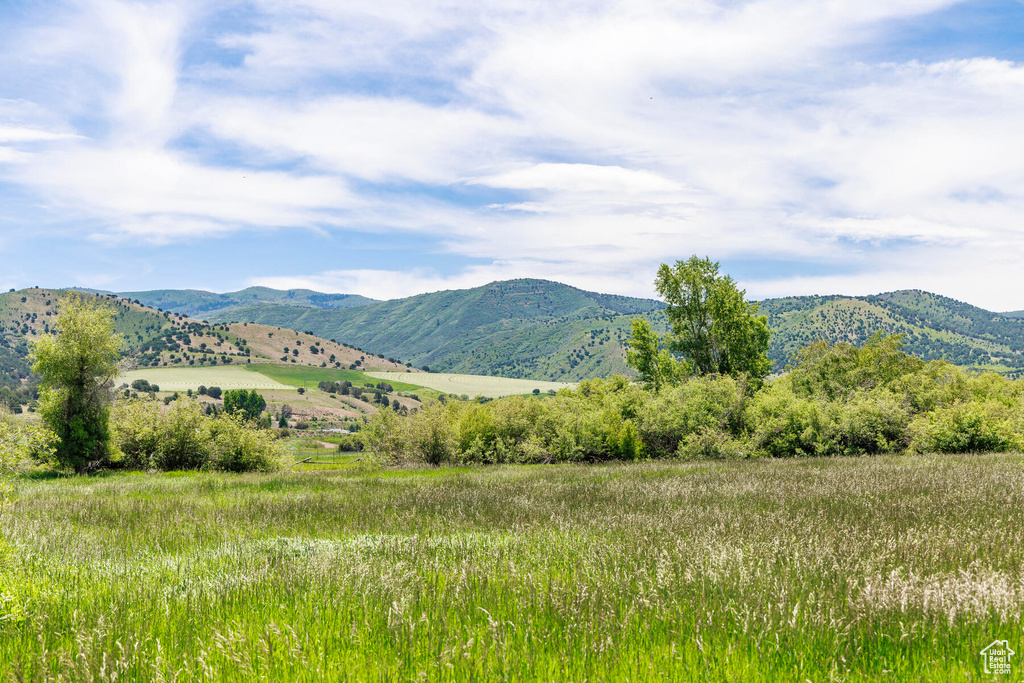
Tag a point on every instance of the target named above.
point(896, 568)
point(310, 377)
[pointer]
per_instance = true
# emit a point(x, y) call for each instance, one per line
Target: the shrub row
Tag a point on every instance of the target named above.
point(182, 437)
point(836, 400)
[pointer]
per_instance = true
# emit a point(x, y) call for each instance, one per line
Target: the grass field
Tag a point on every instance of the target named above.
point(895, 568)
point(223, 376)
point(310, 377)
point(471, 385)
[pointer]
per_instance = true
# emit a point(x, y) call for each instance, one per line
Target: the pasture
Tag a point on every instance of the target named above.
point(223, 376)
point(310, 377)
point(471, 385)
point(886, 568)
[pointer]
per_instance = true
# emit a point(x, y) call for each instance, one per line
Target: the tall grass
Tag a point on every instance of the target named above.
point(894, 568)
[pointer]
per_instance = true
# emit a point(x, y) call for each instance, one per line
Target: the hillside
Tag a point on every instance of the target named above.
point(543, 330)
point(202, 305)
point(525, 328)
point(154, 338)
point(519, 328)
point(934, 327)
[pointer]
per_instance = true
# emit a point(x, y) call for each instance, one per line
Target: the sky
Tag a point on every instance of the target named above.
point(393, 148)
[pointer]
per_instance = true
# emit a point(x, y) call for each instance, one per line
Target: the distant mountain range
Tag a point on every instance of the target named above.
point(540, 329)
point(200, 305)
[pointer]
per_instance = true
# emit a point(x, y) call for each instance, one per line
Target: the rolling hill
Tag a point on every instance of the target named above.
point(934, 327)
point(545, 330)
point(152, 338)
point(518, 328)
point(531, 329)
point(199, 304)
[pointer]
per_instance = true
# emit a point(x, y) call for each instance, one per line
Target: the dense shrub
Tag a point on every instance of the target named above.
point(836, 400)
point(137, 433)
point(350, 443)
point(704, 403)
point(966, 427)
point(711, 443)
point(182, 437)
point(237, 447)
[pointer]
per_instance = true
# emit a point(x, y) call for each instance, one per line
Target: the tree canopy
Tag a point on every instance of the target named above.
point(249, 404)
point(713, 326)
point(656, 365)
point(77, 366)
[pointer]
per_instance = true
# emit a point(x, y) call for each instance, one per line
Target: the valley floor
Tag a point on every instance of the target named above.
point(894, 568)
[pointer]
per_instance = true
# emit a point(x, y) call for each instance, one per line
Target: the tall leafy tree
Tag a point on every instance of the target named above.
point(713, 326)
point(77, 366)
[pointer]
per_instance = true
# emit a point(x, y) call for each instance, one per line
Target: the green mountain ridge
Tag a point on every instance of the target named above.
point(539, 329)
point(526, 328)
point(934, 327)
point(201, 304)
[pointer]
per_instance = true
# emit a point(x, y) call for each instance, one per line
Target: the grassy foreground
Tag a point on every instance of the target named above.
point(894, 568)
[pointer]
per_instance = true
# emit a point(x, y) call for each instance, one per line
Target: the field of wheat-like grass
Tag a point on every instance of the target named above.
point(888, 568)
point(471, 385)
point(183, 379)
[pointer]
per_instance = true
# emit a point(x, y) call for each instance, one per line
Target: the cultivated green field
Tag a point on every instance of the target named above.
point(310, 377)
point(887, 568)
point(471, 385)
point(223, 376)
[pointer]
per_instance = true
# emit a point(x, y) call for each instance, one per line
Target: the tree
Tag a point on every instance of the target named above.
point(77, 367)
point(248, 403)
point(713, 326)
point(656, 365)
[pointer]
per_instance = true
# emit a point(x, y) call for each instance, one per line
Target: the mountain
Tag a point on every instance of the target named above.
point(546, 330)
point(518, 328)
point(200, 304)
point(934, 327)
point(162, 338)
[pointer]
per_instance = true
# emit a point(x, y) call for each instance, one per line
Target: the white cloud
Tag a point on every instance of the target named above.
point(575, 178)
point(160, 196)
point(614, 136)
point(9, 134)
point(375, 138)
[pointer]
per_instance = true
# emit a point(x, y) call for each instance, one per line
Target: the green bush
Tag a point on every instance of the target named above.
point(782, 424)
point(351, 443)
point(237, 447)
point(967, 427)
point(874, 422)
point(709, 443)
point(182, 437)
point(838, 400)
point(385, 437)
point(430, 438)
point(137, 433)
point(708, 402)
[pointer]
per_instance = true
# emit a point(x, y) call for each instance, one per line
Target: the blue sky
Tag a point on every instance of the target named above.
point(388, 149)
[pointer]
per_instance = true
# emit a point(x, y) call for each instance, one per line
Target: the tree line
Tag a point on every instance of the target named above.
point(704, 393)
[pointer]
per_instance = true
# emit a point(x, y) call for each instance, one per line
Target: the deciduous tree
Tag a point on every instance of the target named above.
point(77, 367)
point(713, 327)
